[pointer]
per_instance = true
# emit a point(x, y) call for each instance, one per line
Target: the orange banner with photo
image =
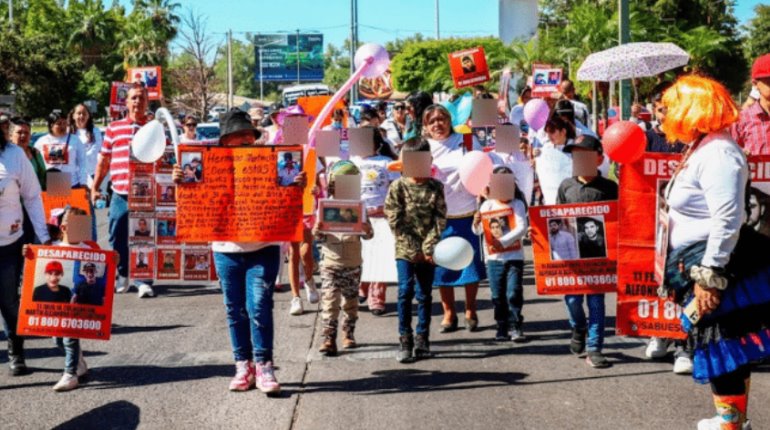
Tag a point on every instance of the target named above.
point(497, 224)
point(575, 247)
point(67, 292)
point(469, 67)
point(640, 311)
point(240, 194)
point(150, 77)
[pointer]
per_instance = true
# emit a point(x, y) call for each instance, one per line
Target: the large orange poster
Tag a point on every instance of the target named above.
point(67, 292)
point(575, 247)
point(240, 194)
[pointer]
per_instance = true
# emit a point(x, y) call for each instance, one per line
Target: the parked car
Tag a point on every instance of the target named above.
point(208, 131)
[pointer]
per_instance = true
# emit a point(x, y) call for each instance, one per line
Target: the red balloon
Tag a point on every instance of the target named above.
point(624, 142)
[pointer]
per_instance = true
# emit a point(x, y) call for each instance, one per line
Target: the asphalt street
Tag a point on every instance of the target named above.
point(168, 365)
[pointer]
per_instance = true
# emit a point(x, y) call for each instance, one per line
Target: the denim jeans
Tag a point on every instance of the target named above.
point(118, 213)
point(415, 280)
point(11, 263)
point(71, 348)
point(505, 284)
point(248, 281)
point(577, 318)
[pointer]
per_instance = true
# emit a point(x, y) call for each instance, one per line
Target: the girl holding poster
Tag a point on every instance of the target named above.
point(247, 273)
point(503, 222)
point(713, 266)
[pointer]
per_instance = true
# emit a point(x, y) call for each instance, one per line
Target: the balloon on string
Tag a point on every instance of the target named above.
point(536, 113)
point(475, 171)
point(624, 142)
point(453, 253)
point(377, 57)
point(149, 142)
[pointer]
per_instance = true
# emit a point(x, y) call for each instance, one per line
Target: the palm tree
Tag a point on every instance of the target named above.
point(94, 30)
point(703, 44)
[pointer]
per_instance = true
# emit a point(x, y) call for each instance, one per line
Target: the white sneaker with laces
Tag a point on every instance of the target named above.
point(121, 285)
point(683, 366)
point(67, 382)
point(657, 348)
point(144, 290)
point(82, 366)
point(715, 423)
point(312, 292)
point(296, 306)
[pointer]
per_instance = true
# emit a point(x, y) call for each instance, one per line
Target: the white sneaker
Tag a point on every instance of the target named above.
point(82, 366)
point(715, 423)
point(683, 366)
point(121, 285)
point(296, 306)
point(657, 348)
point(66, 383)
point(144, 290)
point(312, 292)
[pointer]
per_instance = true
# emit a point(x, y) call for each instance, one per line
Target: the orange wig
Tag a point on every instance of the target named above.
point(696, 106)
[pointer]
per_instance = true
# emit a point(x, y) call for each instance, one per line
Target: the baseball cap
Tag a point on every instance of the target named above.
point(585, 142)
point(761, 67)
point(54, 266)
point(88, 266)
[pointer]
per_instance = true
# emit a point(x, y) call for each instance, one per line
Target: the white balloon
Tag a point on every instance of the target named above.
point(453, 253)
point(149, 142)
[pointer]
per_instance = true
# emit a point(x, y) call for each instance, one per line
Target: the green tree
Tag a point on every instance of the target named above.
point(758, 29)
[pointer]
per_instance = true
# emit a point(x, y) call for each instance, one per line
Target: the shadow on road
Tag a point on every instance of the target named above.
point(134, 376)
point(127, 329)
point(120, 415)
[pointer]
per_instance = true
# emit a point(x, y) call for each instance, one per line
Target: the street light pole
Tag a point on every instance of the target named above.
point(297, 57)
point(438, 34)
point(261, 78)
point(624, 36)
point(353, 46)
point(229, 69)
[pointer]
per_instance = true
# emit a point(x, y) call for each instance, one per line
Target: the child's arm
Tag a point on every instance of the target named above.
point(368, 231)
point(317, 234)
point(478, 227)
point(439, 222)
point(520, 217)
point(393, 207)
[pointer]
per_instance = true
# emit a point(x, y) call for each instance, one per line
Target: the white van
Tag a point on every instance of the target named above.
point(291, 94)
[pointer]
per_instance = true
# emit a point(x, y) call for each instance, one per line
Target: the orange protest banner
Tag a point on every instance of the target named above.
point(575, 247)
point(76, 199)
point(640, 311)
point(496, 225)
point(67, 292)
point(469, 67)
point(241, 194)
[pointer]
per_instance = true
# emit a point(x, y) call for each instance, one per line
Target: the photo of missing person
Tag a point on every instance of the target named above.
point(140, 187)
point(168, 262)
point(167, 161)
point(468, 64)
point(561, 239)
point(56, 153)
point(660, 198)
point(141, 227)
point(340, 215)
point(141, 261)
point(192, 167)
point(591, 242)
point(485, 136)
point(166, 194)
point(289, 166)
point(554, 77)
point(89, 284)
point(759, 211)
point(52, 290)
point(196, 264)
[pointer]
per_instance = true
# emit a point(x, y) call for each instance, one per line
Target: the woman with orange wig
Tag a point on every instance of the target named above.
point(713, 268)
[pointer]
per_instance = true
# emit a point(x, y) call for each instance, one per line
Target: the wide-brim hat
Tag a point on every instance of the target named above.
point(236, 120)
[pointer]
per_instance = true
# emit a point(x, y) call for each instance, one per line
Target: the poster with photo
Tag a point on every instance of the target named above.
point(150, 77)
point(575, 247)
point(485, 136)
point(289, 166)
point(67, 292)
point(496, 225)
point(167, 161)
point(165, 191)
point(165, 231)
point(341, 216)
point(469, 67)
point(759, 194)
point(141, 227)
point(169, 263)
point(118, 95)
point(197, 263)
point(141, 192)
point(141, 262)
point(192, 166)
point(545, 80)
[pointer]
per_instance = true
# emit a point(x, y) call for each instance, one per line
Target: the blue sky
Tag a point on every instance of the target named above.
point(379, 20)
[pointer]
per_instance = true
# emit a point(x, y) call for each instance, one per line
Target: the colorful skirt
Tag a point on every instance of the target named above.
point(476, 272)
point(738, 331)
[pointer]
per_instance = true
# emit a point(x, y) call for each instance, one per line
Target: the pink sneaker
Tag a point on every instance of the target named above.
point(244, 376)
point(266, 381)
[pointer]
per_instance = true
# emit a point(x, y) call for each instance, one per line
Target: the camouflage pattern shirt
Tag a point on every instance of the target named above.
point(416, 215)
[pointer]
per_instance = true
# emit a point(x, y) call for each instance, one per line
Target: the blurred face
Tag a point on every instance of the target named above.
point(558, 137)
point(52, 279)
point(763, 86)
point(136, 103)
point(81, 116)
point(591, 229)
point(438, 124)
point(59, 128)
point(21, 135)
point(399, 112)
point(553, 227)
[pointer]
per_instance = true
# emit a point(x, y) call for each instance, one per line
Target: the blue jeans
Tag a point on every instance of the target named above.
point(415, 280)
point(577, 318)
point(71, 348)
point(505, 283)
point(118, 213)
point(248, 280)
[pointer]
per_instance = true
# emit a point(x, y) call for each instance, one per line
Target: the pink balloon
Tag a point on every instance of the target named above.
point(379, 63)
point(475, 171)
point(536, 113)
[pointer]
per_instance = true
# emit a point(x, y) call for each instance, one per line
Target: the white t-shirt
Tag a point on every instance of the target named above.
point(447, 157)
point(91, 150)
point(707, 199)
point(581, 112)
point(18, 183)
point(511, 236)
point(65, 153)
point(375, 179)
point(392, 133)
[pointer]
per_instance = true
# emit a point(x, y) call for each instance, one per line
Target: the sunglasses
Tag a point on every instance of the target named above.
point(399, 107)
point(192, 124)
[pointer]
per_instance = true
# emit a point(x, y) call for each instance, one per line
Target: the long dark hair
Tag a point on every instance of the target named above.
point(89, 123)
point(517, 194)
point(419, 100)
point(381, 146)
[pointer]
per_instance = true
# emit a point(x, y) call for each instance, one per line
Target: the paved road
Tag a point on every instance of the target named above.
point(168, 365)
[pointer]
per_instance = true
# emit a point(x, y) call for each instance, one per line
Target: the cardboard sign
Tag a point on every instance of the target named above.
point(239, 198)
point(76, 199)
point(575, 247)
point(347, 187)
point(328, 143)
point(416, 164)
point(150, 77)
point(507, 139)
point(640, 311)
point(118, 96)
point(502, 186)
point(361, 142)
point(58, 184)
point(484, 113)
point(759, 194)
point(497, 224)
point(545, 80)
point(341, 216)
point(469, 67)
point(67, 292)
point(295, 129)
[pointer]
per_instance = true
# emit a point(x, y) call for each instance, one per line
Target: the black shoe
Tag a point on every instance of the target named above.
point(596, 360)
point(405, 354)
point(378, 312)
point(472, 324)
point(422, 347)
point(361, 300)
point(448, 328)
point(17, 365)
point(502, 333)
point(517, 336)
point(578, 343)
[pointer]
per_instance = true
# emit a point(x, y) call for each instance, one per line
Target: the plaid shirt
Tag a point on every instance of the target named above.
point(752, 131)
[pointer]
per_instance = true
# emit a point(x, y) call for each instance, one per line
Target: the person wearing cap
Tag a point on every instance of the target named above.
point(272, 130)
point(89, 291)
point(247, 274)
point(114, 160)
point(752, 131)
point(395, 126)
point(586, 187)
point(52, 290)
point(63, 151)
point(190, 125)
point(257, 115)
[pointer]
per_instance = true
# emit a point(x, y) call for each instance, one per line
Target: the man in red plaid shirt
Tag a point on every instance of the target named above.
point(752, 131)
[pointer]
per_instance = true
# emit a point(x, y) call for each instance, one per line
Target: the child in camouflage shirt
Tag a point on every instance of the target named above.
point(416, 212)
